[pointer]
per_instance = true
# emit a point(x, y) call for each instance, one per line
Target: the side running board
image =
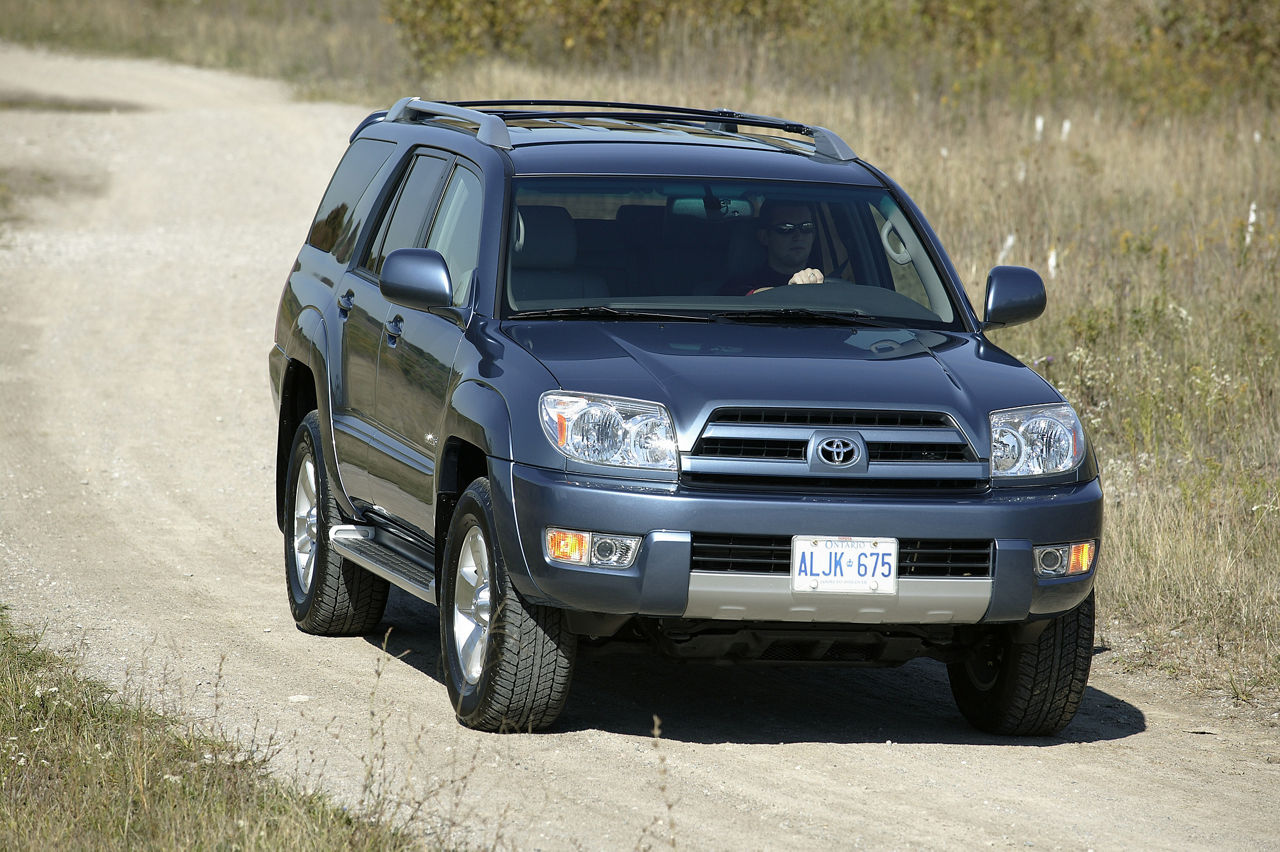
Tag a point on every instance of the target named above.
point(396, 561)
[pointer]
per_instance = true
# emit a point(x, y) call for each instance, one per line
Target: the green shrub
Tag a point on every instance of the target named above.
point(1163, 57)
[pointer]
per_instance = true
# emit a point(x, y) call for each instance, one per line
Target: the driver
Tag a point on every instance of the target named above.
point(786, 231)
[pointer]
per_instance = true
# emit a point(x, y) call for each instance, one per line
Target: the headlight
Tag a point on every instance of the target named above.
point(609, 430)
point(1036, 440)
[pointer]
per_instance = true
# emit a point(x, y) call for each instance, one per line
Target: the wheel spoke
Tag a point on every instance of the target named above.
point(471, 654)
point(305, 528)
point(307, 570)
point(471, 605)
point(468, 578)
point(479, 558)
point(480, 607)
point(307, 482)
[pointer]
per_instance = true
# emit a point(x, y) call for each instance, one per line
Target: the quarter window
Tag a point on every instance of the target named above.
point(337, 223)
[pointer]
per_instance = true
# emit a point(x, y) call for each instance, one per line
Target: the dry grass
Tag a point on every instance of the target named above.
point(83, 767)
point(329, 48)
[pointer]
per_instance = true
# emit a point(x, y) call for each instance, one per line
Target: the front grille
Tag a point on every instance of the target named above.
point(749, 448)
point(824, 417)
point(849, 487)
point(792, 450)
point(772, 451)
point(756, 554)
point(905, 452)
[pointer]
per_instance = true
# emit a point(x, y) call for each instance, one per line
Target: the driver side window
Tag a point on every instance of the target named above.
point(456, 231)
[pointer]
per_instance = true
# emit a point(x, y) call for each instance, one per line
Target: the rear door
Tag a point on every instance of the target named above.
point(359, 308)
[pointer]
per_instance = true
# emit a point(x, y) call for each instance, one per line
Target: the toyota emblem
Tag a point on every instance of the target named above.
point(838, 452)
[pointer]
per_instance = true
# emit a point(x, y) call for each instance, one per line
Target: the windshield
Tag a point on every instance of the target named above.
point(730, 250)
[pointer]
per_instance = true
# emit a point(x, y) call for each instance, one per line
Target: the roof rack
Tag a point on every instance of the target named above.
point(490, 129)
point(825, 142)
point(490, 118)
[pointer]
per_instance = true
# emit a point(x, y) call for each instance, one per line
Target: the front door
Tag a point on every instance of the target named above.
point(416, 363)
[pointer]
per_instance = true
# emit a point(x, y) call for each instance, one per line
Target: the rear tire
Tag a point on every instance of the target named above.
point(328, 595)
point(1027, 689)
point(507, 663)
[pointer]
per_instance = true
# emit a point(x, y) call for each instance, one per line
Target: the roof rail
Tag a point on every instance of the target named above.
point(490, 129)
point(825, 142)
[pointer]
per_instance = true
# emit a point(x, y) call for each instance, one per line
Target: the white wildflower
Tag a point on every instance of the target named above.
point(1008, 246)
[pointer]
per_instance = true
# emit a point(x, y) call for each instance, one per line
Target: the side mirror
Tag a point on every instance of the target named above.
point(416, 278)
point(1015, 295)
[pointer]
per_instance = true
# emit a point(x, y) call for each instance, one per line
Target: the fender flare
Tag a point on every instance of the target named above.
point(479, 415)
point(310, 346)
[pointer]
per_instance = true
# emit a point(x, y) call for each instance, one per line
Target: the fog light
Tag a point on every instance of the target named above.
point(1052, 561)
point(613, 551)
point(1064, 560)
point(599, 550)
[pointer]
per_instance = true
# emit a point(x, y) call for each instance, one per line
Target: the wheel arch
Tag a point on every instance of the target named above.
point(305, 387)
point(478, 427)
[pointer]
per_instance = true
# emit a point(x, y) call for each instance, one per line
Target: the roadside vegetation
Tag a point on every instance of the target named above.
point(1128, 152)
point(82, 767)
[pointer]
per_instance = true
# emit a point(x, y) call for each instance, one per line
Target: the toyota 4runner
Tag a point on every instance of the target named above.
point(540, 364)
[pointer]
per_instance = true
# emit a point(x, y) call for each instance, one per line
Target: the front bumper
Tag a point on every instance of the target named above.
point(662, 583)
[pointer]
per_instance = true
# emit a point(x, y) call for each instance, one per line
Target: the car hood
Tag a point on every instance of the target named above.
point(694, 368)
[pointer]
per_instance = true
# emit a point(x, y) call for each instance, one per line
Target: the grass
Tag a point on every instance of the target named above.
point(84, 767)
point(329, 48)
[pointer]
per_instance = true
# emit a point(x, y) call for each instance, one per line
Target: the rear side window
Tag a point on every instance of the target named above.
point(405, 220)
point(336, 225)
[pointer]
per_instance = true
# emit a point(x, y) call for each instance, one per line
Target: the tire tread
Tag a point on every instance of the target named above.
point(345, 599)
point(1041, 683)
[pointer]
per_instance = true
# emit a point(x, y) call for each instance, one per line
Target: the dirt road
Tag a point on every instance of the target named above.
point(136, 523)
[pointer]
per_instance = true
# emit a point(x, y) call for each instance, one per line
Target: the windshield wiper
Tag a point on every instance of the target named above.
point(805, 315)
point(603, 312)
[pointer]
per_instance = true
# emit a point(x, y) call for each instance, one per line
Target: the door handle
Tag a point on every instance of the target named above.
point(394, 327)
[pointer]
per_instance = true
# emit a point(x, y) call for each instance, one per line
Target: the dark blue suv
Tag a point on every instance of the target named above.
point(702, 379)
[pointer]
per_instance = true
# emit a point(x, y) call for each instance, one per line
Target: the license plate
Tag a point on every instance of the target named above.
point(841, 564)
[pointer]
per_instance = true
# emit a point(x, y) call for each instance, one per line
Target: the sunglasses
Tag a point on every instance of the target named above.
point(785, 228)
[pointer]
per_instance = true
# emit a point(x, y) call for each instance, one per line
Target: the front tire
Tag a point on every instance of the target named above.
point(328, 595)
point(1027, 689)
point(507, 664)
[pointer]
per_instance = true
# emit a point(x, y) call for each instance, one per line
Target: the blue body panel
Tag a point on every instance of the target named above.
point(1016, 519)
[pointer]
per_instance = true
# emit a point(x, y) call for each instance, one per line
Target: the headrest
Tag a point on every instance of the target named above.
point(545, 238)
point(641, 224)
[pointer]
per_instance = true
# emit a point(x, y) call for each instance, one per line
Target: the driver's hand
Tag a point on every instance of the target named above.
point(807, 276)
